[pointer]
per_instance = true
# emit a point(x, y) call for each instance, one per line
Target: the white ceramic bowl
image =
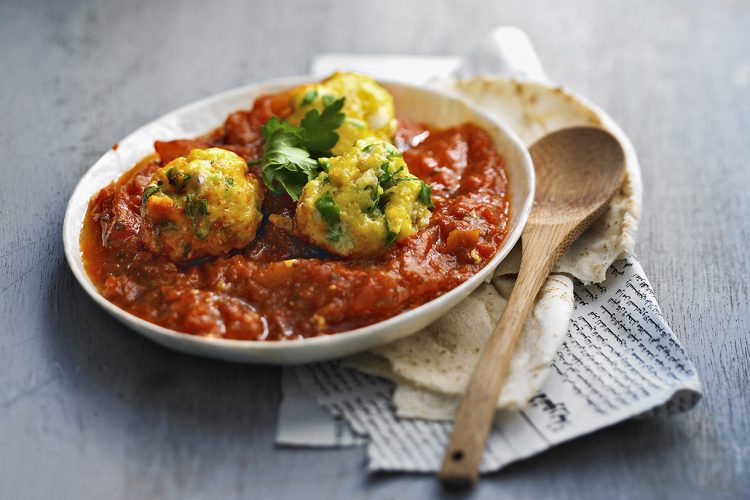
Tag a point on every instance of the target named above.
point(422, 104)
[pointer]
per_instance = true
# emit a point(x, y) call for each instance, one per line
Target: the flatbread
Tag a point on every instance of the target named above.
point(533, 109)
point(432, 367)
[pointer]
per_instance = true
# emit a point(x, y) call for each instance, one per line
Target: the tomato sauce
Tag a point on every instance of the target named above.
point(281, 287)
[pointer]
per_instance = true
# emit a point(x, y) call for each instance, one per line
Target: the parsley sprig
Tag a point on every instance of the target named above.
point(290, 153)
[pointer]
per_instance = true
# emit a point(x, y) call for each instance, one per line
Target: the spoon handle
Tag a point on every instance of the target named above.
point(542, 247)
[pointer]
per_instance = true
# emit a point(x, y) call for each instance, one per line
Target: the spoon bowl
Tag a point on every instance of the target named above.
point(576, 168)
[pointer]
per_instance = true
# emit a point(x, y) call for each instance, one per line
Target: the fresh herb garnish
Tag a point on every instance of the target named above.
point(309, 97)
point(148, 192)
point(385, 178)
point(287, 167)
point(195, 208)
point(319, 129)
point(374, 210)
point(177, 179)
point(331, 215)
point(290, 153)
point(229, 181)
point(390, 235)
point(425, 190)
point(425, 195)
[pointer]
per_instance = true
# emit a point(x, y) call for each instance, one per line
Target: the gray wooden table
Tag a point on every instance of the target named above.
point(88, 409)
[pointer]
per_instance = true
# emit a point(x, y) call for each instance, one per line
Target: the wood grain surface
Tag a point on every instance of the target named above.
point(90, 410)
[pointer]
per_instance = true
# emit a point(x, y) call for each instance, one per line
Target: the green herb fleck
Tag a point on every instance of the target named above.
point(383, 201)
point(195, 209)
point(385, 177)
point(390, 236)
point(328, 209)
point(324, 163)
point(374, 209)
point(309, 97)
point(148, 192)
point(331, 215)
point(405, 179)
point(177, 179)
point(425, 190)
point(356, 122)
point(229, 181)
point(425, 195)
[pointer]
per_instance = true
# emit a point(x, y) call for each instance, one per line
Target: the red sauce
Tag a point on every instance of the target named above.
point(258, 293)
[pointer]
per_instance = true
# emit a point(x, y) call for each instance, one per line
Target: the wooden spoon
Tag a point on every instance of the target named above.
point(578, 170)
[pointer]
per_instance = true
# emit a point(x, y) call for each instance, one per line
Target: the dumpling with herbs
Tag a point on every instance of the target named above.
point(365, 201)
point(205, 204)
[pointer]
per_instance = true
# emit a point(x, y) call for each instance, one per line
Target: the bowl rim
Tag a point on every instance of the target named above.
point(73, 251)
